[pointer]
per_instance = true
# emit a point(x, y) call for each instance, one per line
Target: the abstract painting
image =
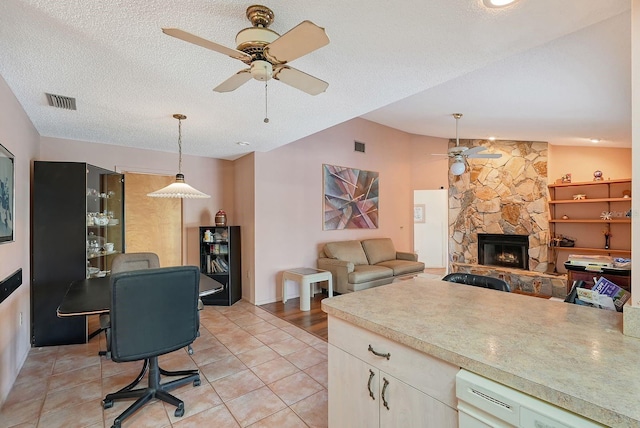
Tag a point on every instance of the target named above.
point(350, 198)
point(6, 195)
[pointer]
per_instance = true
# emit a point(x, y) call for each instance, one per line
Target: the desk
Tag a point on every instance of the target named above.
point(306, 277)
point(92, 296)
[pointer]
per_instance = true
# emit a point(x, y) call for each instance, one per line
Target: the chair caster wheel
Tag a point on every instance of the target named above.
point(107, 404)
point(196, 382)
point(190, 351)
point(179, 411)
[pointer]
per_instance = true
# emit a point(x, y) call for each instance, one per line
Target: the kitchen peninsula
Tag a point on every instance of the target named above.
point(572, 356)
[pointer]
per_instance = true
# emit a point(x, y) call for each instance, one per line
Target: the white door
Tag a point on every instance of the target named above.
point(430, 227)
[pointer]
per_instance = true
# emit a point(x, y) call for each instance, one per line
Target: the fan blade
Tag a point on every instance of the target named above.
point(485, 155)
point(190, 38)
point(300, 80)
point(302, 39)
point(235, 81)
point(474, 150)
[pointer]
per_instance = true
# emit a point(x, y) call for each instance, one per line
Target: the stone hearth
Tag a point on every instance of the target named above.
point(498, 196)
point(520, 280)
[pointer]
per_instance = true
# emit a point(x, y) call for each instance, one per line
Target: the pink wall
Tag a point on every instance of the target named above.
point(429, 168)
point(212, 176)
point(19, 136)
point(288, 197)
point(581, 162)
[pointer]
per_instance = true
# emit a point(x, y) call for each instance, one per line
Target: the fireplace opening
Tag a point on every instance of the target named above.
point(503, 250)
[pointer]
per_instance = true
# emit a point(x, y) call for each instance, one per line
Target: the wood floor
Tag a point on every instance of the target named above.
point(314, 321)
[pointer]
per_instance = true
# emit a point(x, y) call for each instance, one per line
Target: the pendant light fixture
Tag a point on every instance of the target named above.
point(179, 189)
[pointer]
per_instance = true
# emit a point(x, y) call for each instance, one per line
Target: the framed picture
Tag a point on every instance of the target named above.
point(7, 193)
point(350, 198)
point(418, 213)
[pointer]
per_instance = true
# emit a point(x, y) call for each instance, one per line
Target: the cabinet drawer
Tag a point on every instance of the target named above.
point(424, 372)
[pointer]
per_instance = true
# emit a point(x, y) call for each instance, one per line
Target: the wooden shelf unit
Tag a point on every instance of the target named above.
point(585, 224)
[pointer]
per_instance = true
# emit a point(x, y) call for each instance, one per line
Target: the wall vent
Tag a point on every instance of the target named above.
point(60, 101)
point(358, 146)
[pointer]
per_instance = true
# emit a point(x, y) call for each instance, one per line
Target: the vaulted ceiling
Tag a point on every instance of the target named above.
point(543, 70)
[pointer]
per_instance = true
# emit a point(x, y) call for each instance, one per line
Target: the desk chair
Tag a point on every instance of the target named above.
point(125, 263)
point(478, 281)
point(167, 298)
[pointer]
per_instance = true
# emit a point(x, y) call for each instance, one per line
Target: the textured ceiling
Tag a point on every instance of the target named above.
point(548, 70)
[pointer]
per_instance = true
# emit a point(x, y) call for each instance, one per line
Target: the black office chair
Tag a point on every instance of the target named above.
point(153, 312)
point(478, 281)
point(126, 263)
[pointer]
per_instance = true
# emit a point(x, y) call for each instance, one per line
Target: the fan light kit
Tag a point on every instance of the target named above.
point(179, 189)
point(459, 153)
point(458, 167)
point(266, 52)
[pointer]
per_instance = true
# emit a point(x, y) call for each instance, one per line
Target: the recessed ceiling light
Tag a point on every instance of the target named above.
point(498, 3)
point(594, 140)
point(243, 143)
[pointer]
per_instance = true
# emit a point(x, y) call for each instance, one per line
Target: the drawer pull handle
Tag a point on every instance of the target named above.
point(378, 354)
point(371, 375)
point(384, 389)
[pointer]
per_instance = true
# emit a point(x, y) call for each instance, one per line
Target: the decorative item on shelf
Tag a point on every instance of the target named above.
point(597, 175)
point(628, 214)
point(579, 196)
point(179, 189)
point(567, 242)
point(606, 215)
point(101, 219)
point(221, 218)
point(626, 193)
point(607, 237)
point(566, 178)
point(207, 236)
point(565, 217)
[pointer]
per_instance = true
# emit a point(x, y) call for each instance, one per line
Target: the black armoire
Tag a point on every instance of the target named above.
point(76, 209)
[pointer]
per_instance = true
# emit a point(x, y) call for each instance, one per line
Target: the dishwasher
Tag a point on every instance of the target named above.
point(483, 403)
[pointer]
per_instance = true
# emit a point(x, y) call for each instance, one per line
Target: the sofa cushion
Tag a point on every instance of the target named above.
point(403, 267)
point(348, 251)
point(366, 273)
point(379, 250)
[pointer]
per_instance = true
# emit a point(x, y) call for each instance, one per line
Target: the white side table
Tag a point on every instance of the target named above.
point(306, 277)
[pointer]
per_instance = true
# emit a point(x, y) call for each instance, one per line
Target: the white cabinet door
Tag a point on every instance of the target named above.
point(409, 408)
point(350, 402)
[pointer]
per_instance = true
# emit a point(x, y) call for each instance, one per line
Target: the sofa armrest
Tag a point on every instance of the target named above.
point(340, 271)
point(412, 257)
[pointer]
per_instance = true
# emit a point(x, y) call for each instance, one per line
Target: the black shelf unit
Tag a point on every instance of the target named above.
point(220, 260)
point(63, 194)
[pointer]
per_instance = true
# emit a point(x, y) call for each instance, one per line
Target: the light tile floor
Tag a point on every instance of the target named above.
point(256, 370)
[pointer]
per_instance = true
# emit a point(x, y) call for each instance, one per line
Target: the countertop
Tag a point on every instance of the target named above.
point(572, 356)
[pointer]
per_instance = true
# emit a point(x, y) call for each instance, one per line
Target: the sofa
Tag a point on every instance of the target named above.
point(357, 265)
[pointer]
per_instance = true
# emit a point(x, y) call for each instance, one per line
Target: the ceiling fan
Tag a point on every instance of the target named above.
point(266, 52)
point(460, 153)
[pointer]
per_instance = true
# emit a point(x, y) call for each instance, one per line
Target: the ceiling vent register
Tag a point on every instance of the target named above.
point(60, 101)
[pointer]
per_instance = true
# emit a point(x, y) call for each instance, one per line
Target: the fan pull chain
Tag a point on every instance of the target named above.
point(266, 103)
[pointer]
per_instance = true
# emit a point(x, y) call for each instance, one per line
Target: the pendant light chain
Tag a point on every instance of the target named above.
point(266, 103)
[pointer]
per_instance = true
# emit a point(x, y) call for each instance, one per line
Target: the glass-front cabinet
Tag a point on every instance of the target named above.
point(77, 225)
point(105, 209)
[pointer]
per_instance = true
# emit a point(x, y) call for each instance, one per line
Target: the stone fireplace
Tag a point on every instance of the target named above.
point(505, 196)
point(504, 250)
